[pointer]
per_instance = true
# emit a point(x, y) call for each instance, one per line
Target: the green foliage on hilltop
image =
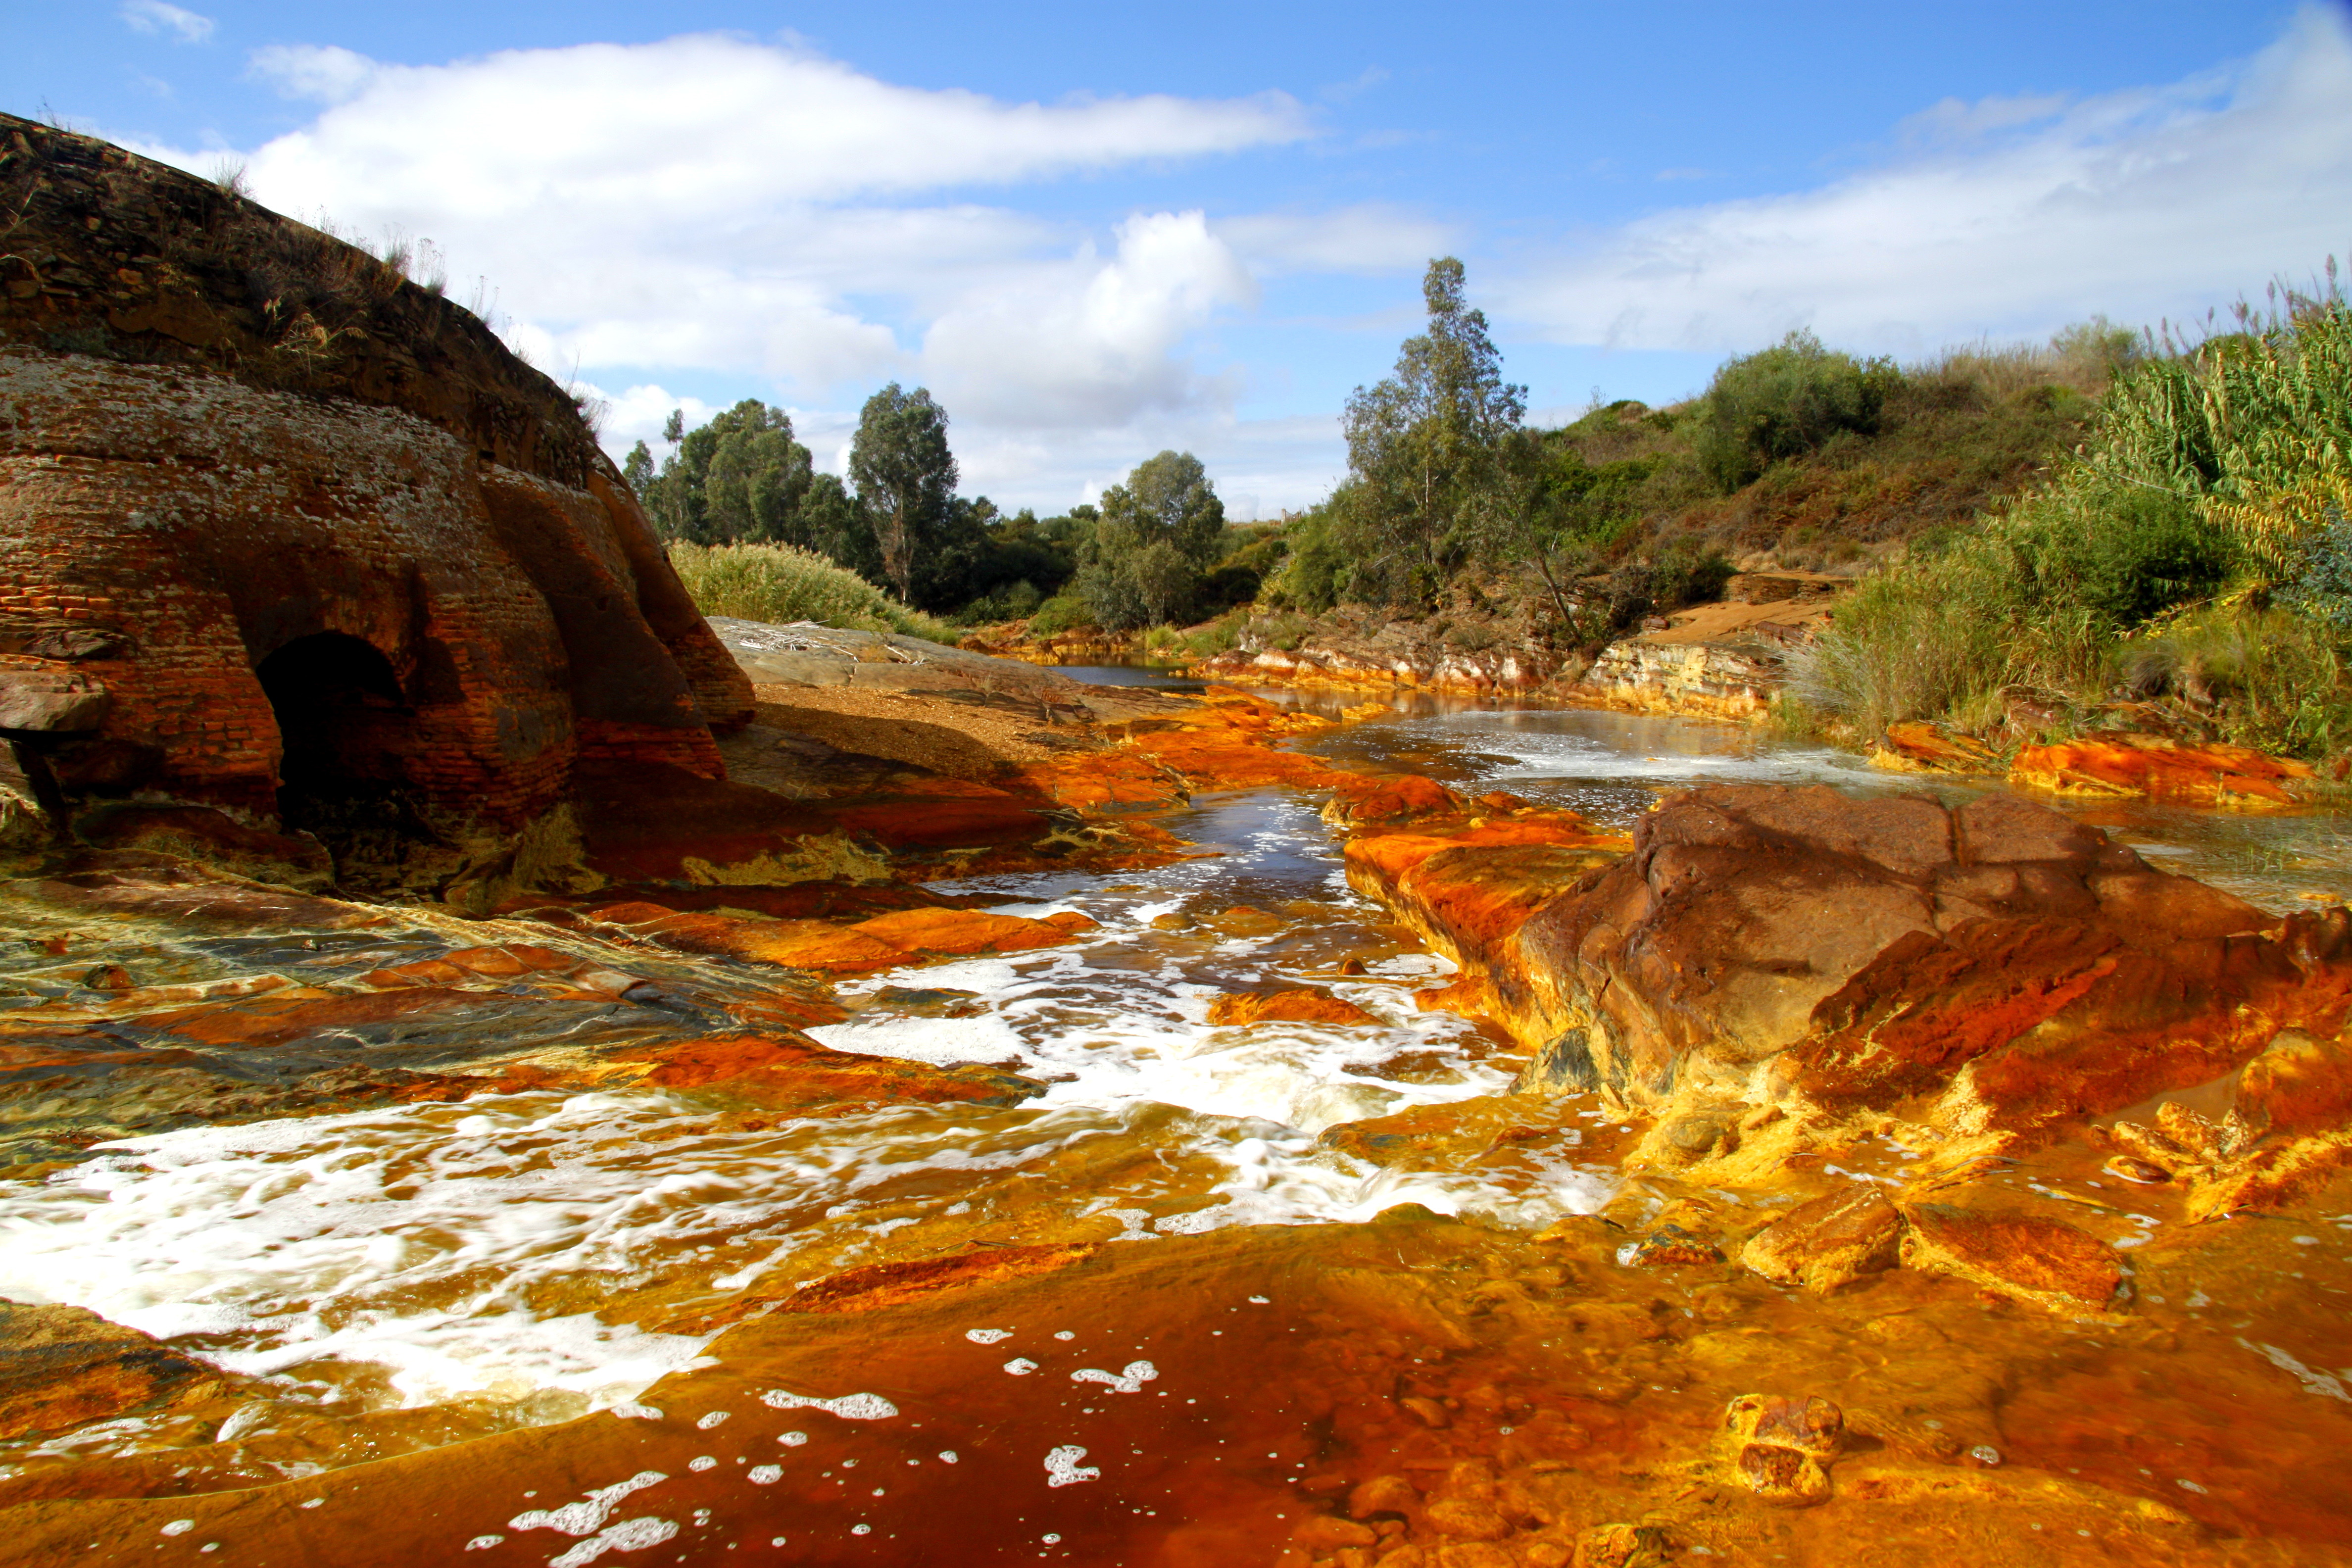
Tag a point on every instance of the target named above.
point(2191, 554)
point(1787, 401)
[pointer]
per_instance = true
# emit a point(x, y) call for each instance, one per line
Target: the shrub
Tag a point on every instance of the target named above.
point(2270, 679)
point(1062, 613)
point(1784, 402)
point(781, 583)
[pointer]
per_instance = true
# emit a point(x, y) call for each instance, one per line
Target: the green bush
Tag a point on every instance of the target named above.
point(1062, 613)
point(1784, 402)
point(1315, 577)
point(781, 583)
point(2272, 680)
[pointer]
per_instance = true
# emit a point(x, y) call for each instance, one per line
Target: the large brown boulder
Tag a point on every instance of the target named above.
point(1994, 965)
point(279, 528)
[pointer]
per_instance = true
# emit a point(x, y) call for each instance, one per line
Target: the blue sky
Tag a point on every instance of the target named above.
point(1096, 231)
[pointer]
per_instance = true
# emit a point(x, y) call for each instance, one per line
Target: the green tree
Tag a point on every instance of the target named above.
point(638, 471)
point(1423, 446)
point(1158, 535)
point(906, 479)
point(741, 479)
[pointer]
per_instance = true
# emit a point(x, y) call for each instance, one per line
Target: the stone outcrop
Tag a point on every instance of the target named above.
point(1697, 680)
point(1769, 963)
point(286, 534)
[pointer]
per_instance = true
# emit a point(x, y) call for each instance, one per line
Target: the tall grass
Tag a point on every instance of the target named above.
point(2146, 567)
point(781, 583)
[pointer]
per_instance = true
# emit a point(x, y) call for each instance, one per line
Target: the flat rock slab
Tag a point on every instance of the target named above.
point(60, 1366)
point(806, 654)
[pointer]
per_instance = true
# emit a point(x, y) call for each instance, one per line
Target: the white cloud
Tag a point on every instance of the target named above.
point(2025, 214)
point(156, 16)
point(714, 205)
point(1372, 237)
point(1095, 341)
point(320, 73)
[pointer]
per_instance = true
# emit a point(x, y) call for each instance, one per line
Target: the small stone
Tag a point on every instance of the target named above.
point(1428, 1412)
point(1322, 1532)
point(1828, 1242)
point(1466, 1519)
point(1670, 1246)
point(1622, 1546)
point(1781, 1447)
point(2044, 1262)
point(1384, 1495)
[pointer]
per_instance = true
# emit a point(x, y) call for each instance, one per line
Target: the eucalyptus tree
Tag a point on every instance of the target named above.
point(1423, 447)
point(904, 477)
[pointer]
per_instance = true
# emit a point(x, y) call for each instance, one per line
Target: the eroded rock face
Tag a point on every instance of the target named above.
point(283, 533)
point(1998, 959)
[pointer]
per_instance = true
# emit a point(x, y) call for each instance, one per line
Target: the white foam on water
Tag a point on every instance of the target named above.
point(462, 1250)
point(849, 1406)
point(1063, 1470)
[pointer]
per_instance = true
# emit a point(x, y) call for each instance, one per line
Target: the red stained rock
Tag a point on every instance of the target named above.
point(2128, 764)
point(1398, 798)
point(1924, 747)
point(961, 932)
point(1830, 1241)
point(781, 1074)
point(1300, 1004)
point(1886, 944)
point(62, 1366)
point(279, 1018)
point(2034, 1260)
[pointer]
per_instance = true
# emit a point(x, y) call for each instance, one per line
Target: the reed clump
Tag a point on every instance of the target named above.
point(781, 583)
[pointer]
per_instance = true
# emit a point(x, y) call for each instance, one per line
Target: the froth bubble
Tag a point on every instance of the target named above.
point(713, 1419)
point(793, 1439)
point(1129, 1379)
point(987, 1336)
point(849, 1406)
point(1063, 1470)
point(1021, 1366)
point(766, 1475)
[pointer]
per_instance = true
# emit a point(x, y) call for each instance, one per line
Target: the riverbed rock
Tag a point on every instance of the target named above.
point(1781, 1447)
point(1830, 1241)
point(2123, 764)
point(62, 1366)
point(2001, 965)
point(1298, 1004)
point(2027, 1258)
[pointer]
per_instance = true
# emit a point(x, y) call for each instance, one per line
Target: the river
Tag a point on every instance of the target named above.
point(441, 1271)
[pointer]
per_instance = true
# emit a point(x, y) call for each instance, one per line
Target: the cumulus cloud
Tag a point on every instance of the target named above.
point(1094, 341)
point(316, 72)
point(2008, 217)
point(715, 205)
point(156, 16)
